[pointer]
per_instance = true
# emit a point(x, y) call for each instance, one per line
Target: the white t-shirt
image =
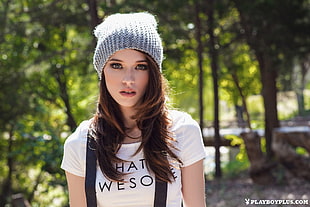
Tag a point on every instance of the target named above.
point(138, 187)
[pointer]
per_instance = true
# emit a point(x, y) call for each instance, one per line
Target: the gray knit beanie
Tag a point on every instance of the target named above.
point(127, 31)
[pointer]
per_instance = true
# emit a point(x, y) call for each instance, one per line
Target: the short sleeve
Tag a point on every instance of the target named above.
point(74, 157)
point(189, 138)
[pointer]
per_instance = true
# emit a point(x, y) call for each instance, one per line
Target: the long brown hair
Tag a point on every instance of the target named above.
point(152, 119)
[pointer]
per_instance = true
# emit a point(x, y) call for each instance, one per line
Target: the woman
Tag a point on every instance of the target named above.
point(145, 154)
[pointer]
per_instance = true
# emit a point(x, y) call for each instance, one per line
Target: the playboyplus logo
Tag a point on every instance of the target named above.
point(276, 201)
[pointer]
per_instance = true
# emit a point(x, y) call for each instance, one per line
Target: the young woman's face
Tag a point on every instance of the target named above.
point(127, 74)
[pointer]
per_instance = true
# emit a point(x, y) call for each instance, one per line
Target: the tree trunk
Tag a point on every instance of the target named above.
point(36, 184)
point(94, 19)
point(244, 105)
point(62, 83)
point(214, 68)
point(199, 54)
point(284, 145)
point(301, 84)
point(260, 169)
point(268, 79)
point(7, 183)
point(3, 19)
point(269, 93)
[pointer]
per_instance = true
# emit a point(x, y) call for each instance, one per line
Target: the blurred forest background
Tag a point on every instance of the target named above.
point(220, 56)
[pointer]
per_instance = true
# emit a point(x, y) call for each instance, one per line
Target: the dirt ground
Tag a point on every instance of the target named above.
point(234, 192)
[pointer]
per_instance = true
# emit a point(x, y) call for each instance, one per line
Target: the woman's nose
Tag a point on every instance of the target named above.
point(128, 77)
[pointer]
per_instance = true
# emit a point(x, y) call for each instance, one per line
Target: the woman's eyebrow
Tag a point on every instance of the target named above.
point(118, 60)
point(141, 61)
point(114, 59)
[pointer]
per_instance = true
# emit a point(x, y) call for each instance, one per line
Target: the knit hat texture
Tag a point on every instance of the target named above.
point(127, 31)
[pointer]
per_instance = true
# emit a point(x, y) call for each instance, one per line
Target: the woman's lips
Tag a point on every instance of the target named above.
point(128, 93)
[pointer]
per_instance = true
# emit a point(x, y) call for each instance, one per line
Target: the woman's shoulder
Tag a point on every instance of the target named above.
point(181, 119)
point(180, 116)
point(80, 134)
point(74, 157)
point(187, 134)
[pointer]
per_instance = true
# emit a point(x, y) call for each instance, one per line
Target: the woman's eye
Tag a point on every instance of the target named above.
point(116, 66)
point(141, 67)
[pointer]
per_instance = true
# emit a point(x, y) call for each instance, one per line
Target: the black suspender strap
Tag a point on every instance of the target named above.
point(160, 193)
point(90, 177)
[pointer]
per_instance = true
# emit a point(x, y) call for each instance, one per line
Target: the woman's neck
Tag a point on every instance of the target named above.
point(133, 132)
point(128, 113)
